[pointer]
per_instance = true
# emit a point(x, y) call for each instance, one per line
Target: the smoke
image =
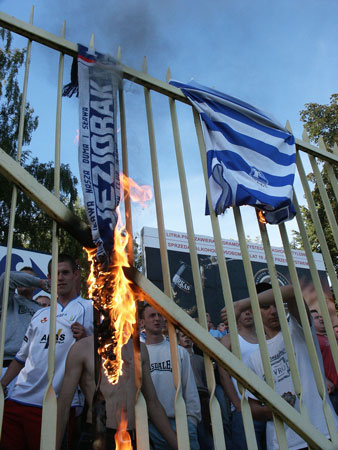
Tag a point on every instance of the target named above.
point(135, 25)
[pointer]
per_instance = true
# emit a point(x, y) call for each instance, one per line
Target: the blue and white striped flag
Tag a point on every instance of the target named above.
point(251, 158)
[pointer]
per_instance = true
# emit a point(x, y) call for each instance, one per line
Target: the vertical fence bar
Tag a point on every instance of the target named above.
point(125, 166)
point(329, 168)
point(215, 411)
point(141, 417)
point(281, 315)
point(50, 400)
point(226, 288)
point(319, 230)
point(317, 284)
point(307, 333)
point(331, 174)
point(12, 215)
point(180, 409)
point(280, 431)
point(49, 409)
point(326, 202)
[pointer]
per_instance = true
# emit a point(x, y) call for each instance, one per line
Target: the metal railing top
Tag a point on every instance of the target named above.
point(67, 47)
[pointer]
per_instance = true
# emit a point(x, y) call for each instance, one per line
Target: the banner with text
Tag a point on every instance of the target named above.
point(98, 156)
point(181, 274)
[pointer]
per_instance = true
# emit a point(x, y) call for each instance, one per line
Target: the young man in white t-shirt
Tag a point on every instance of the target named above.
point(74, 320)
point(281, 369)
point(162, 376)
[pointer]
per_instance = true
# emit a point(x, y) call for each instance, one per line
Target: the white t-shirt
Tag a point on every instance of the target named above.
point(246, 349)
point(161, 374)
point(33, 378)
point(283, 383)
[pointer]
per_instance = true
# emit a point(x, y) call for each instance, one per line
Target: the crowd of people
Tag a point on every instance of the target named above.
point(89, 413)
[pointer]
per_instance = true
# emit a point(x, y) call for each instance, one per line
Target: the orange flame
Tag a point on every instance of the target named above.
point(76, 139)
point(112, 294)
point(122, 437)
point(261, 217)
point(139, 194)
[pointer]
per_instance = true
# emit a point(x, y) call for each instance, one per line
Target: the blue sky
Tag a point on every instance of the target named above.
point(276, 55)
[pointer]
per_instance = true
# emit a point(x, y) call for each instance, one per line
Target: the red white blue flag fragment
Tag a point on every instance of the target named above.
point(251, 158)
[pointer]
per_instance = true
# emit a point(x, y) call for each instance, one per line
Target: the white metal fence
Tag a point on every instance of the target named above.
point(156, 94)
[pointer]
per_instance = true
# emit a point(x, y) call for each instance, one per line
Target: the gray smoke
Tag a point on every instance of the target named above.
point(135, 25)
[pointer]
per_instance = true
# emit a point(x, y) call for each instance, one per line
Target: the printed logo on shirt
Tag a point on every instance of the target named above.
point(72, 317)
point(280, 366)
point(60, 338)
point(164, 366)
point(44, 320)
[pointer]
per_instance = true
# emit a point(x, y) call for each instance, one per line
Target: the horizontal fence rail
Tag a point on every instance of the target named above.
point(179, 114)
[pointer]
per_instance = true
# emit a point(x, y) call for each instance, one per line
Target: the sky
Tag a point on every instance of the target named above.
point(276, 55)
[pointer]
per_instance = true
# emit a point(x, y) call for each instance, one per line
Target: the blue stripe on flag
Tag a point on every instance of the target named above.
point(195, 86)
point(244, 140)
point(225, 110)
point(234, 162)
point(250, 157)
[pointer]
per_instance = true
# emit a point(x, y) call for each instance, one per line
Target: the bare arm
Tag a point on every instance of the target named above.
point(267, 298)
point(229, 388)
point(226, 380)
point(155, 409)
point(13, 370)
point(259, 412)
point(73, 371)
point(238, 311)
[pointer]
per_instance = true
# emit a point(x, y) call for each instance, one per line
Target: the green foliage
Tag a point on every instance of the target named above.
point(321, 120)
point(33, 228)
point(10, 98)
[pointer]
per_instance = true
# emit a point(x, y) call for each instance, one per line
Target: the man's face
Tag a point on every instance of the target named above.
point(221, 327)
point(270, 317)
point(27, 292)
point(318, 323)
point(66, 281)
point(245, 319)
point(184, 340)
point(152, 321)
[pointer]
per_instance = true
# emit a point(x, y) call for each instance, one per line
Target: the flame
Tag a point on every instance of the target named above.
point(113, 295)
point(122, 437)
point(139, 194)
point(261, 217)
point(76, 139)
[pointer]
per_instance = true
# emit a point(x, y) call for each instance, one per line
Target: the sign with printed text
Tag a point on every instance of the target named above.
point(181, 273)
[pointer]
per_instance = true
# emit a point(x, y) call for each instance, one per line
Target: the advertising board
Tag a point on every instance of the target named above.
point(182, 279)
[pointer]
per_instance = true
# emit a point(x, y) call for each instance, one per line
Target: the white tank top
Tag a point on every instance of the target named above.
point(246, 349)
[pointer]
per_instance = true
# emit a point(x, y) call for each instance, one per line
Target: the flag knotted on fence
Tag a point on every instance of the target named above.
point(251, 158)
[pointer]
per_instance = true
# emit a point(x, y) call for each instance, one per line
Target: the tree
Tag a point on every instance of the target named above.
point(10, 98)
point(321, 120)
point(32, 226)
